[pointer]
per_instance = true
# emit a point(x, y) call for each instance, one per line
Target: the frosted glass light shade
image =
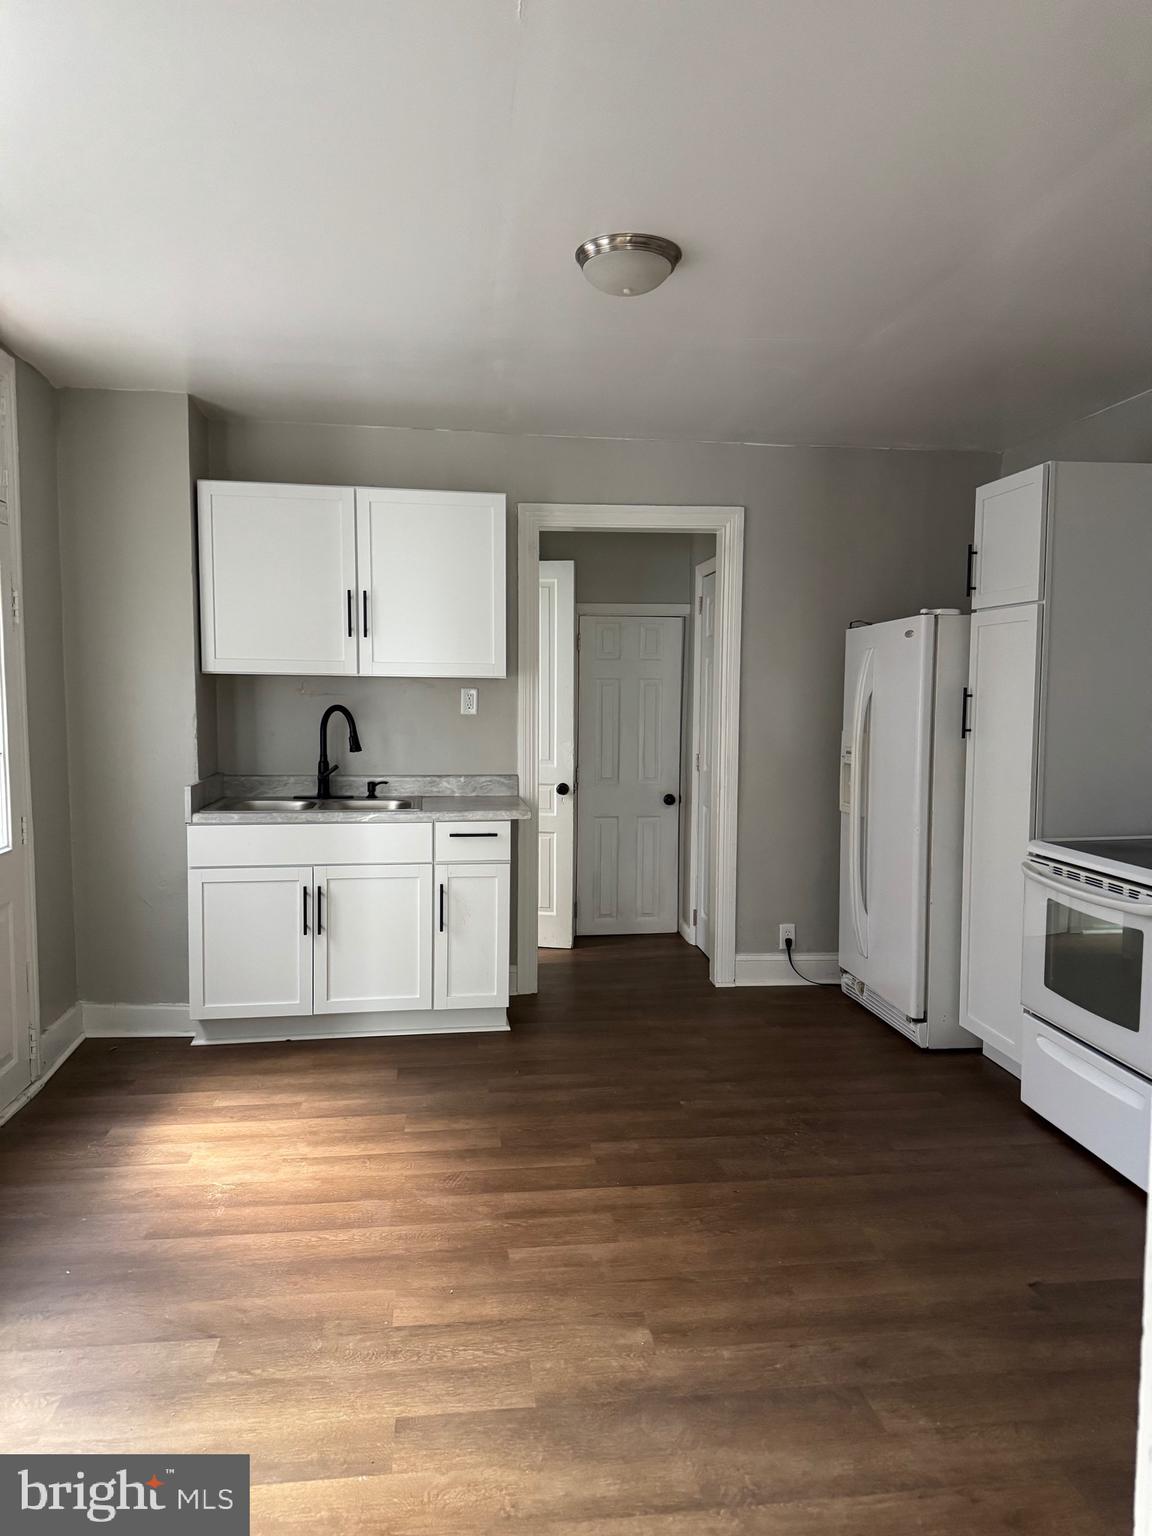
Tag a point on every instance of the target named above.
point(627, 265)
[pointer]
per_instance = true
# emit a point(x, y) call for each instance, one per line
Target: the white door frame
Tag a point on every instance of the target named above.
point(727, 523)
point(705, 568)
point(15, 524)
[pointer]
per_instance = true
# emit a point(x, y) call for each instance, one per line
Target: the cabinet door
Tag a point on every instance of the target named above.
point(472, 902)
point(432, 584)
point(249, 942)
point(278, 578)
point(998, 819)
point(1008, 545)
point(373, 937)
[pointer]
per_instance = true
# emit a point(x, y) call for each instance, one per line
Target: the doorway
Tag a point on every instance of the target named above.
point(603, 860)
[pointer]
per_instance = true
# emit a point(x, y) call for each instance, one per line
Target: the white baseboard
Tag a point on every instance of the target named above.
point(57, 1043)
point(773, 970)
point(115, 1021)
point(687, 932)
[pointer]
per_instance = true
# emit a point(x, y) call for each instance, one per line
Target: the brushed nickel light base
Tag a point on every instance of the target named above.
point(627, 265)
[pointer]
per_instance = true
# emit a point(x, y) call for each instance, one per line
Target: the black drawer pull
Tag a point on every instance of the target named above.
point(365, 615)
point(441, 907)
point(969, 584)
point(351, 627)
point(319, 909)
point(305, 890)
point(473, 834)
point(965, 728)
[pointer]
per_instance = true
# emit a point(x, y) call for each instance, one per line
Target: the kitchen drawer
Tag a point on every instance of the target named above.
point(218, 847)
point(1102, 1105)
point(473, 842)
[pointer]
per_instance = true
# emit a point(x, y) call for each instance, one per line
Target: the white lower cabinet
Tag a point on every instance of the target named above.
point(472, 918)
point(383, 941)
point(373, 937)
point(250, 942)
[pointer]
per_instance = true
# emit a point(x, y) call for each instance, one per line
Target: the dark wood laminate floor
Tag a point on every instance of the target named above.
point(665, 1261)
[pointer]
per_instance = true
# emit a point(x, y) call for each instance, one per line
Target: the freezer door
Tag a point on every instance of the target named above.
point(884, 793)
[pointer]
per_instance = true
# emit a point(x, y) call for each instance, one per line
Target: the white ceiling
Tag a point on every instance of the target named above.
point(904, 221)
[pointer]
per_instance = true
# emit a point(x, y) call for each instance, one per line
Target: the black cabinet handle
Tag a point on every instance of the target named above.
point(969, 584)
point(441, 906)
point(473, 834)
point(319, 909)
point(351, 626)
point(305, 890)
point(562, 789)
point(965, 728)
point(669, 799)
point(365, 596)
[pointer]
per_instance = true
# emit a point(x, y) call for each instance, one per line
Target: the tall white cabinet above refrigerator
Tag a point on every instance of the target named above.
point(1058, 712)
point(901, 804)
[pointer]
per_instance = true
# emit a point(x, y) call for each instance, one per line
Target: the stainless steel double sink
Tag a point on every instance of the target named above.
point(336, 803)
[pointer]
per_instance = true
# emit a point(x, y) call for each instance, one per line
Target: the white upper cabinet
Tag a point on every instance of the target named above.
point(1006, 558)
point(277, 578)
point(432, 583)
point(334, 581)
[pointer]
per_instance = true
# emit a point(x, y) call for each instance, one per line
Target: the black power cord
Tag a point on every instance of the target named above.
point(788, 947)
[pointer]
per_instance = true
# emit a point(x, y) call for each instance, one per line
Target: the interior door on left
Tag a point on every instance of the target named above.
point(557, 771)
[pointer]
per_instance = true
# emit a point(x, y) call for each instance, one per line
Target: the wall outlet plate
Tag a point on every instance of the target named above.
point(787, 931)
point(469, 701)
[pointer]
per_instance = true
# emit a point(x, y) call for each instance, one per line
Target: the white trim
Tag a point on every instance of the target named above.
point(705, 568)
point(57, 1043)
point(773, 969)
point(15, 525)
point(638, 610)
point(727, 523)
point(687, 933)
point(117, 1021)
point(513, 981)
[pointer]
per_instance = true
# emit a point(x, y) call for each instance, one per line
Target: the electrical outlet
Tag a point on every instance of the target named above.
point(787, 931)
point(469, 701)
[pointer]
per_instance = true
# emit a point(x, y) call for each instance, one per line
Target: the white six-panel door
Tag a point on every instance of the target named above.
point(629, 764)
point(432, 584)
point(373, 937)
point(998, 819)
point(473, 906)
point(278, 578)
point(557, 734)
point(250, 942)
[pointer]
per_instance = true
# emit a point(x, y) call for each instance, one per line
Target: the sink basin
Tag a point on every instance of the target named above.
point(271, 805)
point(338, 803)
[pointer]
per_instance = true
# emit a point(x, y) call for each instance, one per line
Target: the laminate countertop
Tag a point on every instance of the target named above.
point(227, 812)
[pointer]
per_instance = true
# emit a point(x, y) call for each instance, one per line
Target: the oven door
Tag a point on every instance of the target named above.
point(1087, 964)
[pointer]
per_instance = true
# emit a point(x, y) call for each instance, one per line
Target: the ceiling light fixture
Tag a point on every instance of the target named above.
point(627, 265)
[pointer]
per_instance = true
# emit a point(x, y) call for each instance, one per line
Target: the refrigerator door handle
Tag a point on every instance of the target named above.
point(858, 792)
point(845, 776)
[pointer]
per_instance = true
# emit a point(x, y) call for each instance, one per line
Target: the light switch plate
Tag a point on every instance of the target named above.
point(469, 701)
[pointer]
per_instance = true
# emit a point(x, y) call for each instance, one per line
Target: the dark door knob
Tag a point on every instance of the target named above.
point(669, 799)
point(562, 789)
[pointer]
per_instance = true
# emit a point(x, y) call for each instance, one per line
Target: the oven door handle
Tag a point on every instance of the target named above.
point(1087, 893)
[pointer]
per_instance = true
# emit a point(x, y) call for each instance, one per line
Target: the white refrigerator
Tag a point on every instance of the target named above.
point(902, 823)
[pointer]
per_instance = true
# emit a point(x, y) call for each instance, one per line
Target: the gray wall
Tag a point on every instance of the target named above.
point(1122, 434)
point(126, 532)
point(831, 535)
point(47, 719)
point(625, 567)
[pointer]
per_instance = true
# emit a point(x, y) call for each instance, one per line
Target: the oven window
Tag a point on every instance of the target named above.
point(1095, 963)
